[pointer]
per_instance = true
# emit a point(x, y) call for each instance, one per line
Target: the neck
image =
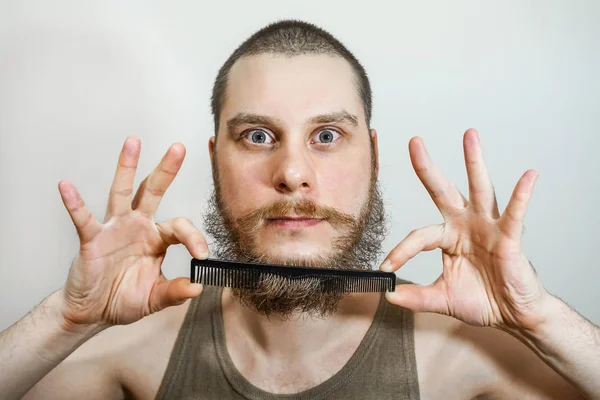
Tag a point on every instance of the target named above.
point(299, 337)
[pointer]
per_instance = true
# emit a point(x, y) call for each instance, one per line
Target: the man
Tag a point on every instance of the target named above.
point(295, 167)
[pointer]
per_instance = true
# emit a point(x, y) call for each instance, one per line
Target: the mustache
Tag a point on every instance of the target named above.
point(302, 208)
point(356, 245)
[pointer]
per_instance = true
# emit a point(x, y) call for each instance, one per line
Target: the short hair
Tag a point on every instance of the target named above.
point(290, 38)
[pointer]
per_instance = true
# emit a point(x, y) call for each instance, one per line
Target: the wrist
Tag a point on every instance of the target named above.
point(48, 336)
point(552, 316)
point(56, 310)
point(546, 319)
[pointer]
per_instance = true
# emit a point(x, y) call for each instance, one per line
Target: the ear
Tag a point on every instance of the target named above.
point(373, 134)
point(211, 149)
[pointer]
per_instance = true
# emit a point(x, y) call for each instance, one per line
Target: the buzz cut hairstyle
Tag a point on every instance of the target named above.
point(290, 38)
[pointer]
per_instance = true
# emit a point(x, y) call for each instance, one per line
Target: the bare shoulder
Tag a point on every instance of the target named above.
point(457, 360)
point(120, 362)
point(444, 359)
point(140, 352)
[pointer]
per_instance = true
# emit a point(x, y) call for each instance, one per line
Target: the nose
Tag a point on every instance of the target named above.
point(294, 172)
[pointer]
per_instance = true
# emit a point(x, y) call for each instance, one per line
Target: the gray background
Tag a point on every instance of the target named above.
point(77, 77)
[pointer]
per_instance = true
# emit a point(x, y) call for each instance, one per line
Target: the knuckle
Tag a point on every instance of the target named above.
point(156, 192)
point(436, 192)
point(421, 169)
point(413, 233)
point(77, 207)
point(510, 214)
point(127, 165)
point(199, 236)
point(88, 220)
point(181, 223)
point(122, 192)
point(163, 169)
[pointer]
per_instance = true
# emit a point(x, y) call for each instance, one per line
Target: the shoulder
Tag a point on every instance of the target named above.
point(449, 363)
point(117, 361)
point(150, 338)
point(458, 360)
point(135, 356)
point(139, 353)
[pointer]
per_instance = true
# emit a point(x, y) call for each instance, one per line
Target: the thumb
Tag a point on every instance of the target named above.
point(167, 293)
point(419, 298)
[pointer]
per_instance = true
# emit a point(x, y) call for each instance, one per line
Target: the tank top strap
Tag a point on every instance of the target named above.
point(193, 365)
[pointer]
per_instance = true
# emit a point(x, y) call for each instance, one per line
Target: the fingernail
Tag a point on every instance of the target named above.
point(202, 252)
point(386, 266)
point(390, 296)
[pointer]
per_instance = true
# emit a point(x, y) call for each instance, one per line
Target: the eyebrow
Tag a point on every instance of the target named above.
point(251, 119)
point(339, 117)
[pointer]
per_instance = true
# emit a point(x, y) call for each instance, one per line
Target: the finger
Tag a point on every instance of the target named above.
point(167, 293)
point(182, 230)
point(444, 194)
point(85, 223)
point(153, 188)
point(424, 239)
point(511, 221)
point(481, 191)
point(119, 199)
point(420, 298)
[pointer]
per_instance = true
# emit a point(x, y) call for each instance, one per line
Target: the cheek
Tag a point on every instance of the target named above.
point(346, 185)
point(243, 184)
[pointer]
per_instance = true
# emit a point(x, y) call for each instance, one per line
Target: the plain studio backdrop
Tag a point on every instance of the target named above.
point(76, 78)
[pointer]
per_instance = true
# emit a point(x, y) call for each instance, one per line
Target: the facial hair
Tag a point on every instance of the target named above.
point(357, 245)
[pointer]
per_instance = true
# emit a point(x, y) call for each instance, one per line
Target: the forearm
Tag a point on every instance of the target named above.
point(34, 345)
point(569, 344)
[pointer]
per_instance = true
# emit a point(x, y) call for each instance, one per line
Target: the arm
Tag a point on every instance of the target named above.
point(487, 281)
point(481, 363)
point(115, 279)
point(569, 344)
point(35, 345)
point(559, 359)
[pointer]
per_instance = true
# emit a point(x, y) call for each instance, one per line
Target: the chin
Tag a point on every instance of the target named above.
point(295, 254)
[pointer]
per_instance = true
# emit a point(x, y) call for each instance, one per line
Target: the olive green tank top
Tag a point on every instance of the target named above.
point(382, 367)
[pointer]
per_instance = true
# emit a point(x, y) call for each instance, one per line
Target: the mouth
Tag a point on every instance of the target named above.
point(293, 222)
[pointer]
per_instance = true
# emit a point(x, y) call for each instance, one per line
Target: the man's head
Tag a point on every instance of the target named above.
point(291, 38)
point(294, 163)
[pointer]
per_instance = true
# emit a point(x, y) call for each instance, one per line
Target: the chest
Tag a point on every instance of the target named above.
point(281, 377)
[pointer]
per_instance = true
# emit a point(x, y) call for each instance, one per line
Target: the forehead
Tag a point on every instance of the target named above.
point(292, 89)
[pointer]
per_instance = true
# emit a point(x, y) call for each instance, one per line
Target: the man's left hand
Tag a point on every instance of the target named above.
point(486, 278)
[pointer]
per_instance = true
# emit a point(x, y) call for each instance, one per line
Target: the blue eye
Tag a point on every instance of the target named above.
point(259, 136)
point(327, 136)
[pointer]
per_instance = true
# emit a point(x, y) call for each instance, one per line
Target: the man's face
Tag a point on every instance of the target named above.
point(293, 132)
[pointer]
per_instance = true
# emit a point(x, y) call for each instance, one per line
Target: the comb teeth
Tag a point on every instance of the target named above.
point(249, 275)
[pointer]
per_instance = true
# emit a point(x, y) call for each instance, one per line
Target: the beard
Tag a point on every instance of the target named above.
point(357, 245)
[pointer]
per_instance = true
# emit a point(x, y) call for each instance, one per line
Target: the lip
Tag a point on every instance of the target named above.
point(293, 222)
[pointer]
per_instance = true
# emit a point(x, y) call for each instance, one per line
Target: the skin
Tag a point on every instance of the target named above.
point(294, 162)
point(115, 278)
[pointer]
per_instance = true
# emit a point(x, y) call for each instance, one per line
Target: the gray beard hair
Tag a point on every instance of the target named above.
point(276, 296)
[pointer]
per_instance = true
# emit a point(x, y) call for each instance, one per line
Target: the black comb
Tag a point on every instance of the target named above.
point(248, 275)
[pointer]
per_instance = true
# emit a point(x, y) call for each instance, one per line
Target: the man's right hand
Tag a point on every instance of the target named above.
point(116, 277)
